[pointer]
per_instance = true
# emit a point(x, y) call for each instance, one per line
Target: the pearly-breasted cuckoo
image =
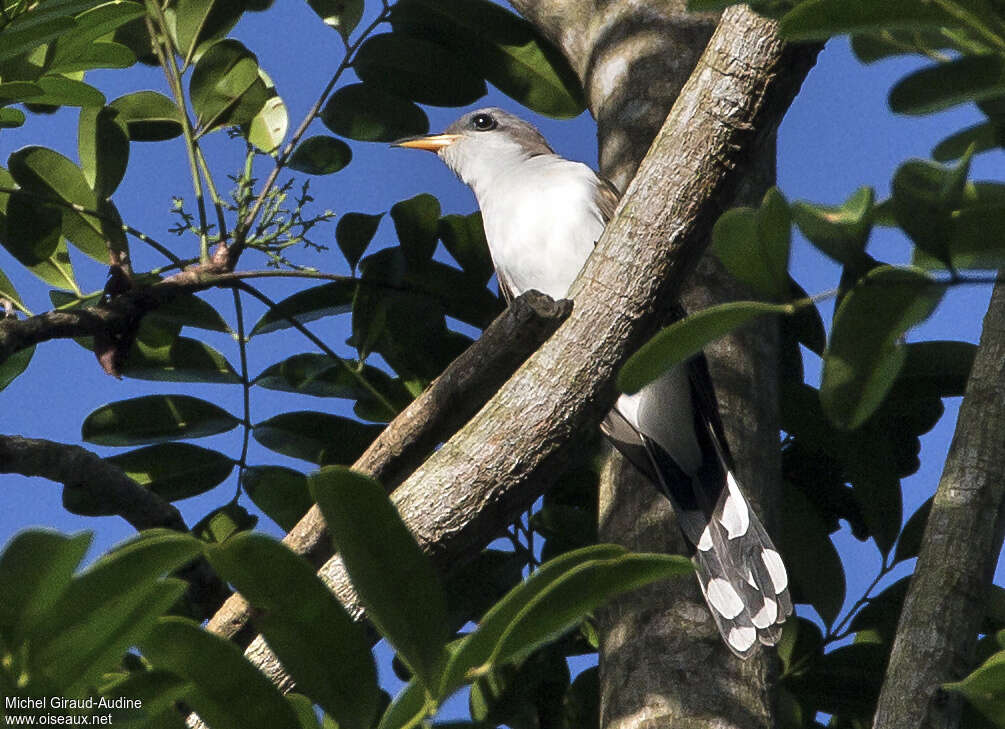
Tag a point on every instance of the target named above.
point(543, 215)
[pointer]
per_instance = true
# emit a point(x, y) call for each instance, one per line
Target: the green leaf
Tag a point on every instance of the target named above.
point(416, 223)
point(197, 21)
point(329, 299)
point(281, 493)
point(56, 270)
point(268, 129)
point(22, 35)
point(408, 705)
point(226, 88)
point(155, 419)
point(50, 175)
point(78, 639)
point(502, 47)
point(221, 524)
point(189, 310)
point(909, 544)
point(11, 118)
point(934, 369)
point(7, 290)
point(395, 580)
point(319, 375)
point(813, 563)
point(983, 688)
point(35, 570)
point(353, 234)
point(62, 91)
point(685, 338)
point(464, 238)
point(417, 69)
point(320, 438)
point(870, 47)
point(839, 232)
point(754, 245)
point(320, 155)
point(175, 471)
point(183, 360)
point(325, 652)
point(342, 15)
point(576, 593)
point(877, 491)
point(14, 365)
point(31, 231)
point(821, 19)
point(15, 91)
point(924, 198)
point(228, 692)
point(969, 78)
point(367, 113)
point(75, 51)
point(968, 245)
point(100, 54)
point(982, 137)
point(845, 681)
point(103, 146)
point(475, 649)
point(148, 116)
point(864, 355)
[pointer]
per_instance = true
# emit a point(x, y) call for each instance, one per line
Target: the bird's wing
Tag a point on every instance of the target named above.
point(607, 197)
point(506, 287)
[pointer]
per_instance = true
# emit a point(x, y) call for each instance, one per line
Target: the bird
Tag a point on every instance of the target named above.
point(543, 215)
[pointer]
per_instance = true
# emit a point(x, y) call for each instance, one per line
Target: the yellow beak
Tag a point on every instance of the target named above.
point(432, 143)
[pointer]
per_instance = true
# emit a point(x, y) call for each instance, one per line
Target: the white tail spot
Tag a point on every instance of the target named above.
point(723, 598)
point(767, 615)
point(742, 637)
point(776, 568)
point(705, 543)
point(735, 516)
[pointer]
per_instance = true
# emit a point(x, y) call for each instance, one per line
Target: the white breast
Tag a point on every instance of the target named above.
point(557, 223)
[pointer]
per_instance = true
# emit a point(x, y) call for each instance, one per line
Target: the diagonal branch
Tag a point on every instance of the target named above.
point(108, 490)
point(945, 604)
point(503, 459)
point(107, 487)
point(430, 419)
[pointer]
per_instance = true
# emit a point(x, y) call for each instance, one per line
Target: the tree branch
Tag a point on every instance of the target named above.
point(108, 490)
point(503, 459)
point(945, 604)
point(430, 419)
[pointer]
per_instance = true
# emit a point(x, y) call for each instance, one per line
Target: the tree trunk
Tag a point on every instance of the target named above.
point(945, 603)
point(633, 59)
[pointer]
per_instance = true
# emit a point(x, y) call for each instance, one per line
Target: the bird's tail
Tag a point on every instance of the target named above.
point(740, 571)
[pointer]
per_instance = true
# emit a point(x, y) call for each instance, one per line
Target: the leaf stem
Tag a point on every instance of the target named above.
point(319, 343)
point(245, 224)
point(166, 56)
point(138, 234)
point(242, 344)
point(971, 20)
point(838, 632)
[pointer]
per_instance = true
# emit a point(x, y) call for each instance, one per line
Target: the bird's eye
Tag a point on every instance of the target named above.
point(483, 122)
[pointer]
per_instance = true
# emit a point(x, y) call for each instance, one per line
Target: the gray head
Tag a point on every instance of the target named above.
point(482, 143)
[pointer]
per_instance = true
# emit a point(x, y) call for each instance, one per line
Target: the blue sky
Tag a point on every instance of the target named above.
point(838, 136)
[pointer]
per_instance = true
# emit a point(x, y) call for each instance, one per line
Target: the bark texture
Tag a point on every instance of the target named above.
point(633, 58)
point(495, 467)
point(433, 417)
point(946, 601)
